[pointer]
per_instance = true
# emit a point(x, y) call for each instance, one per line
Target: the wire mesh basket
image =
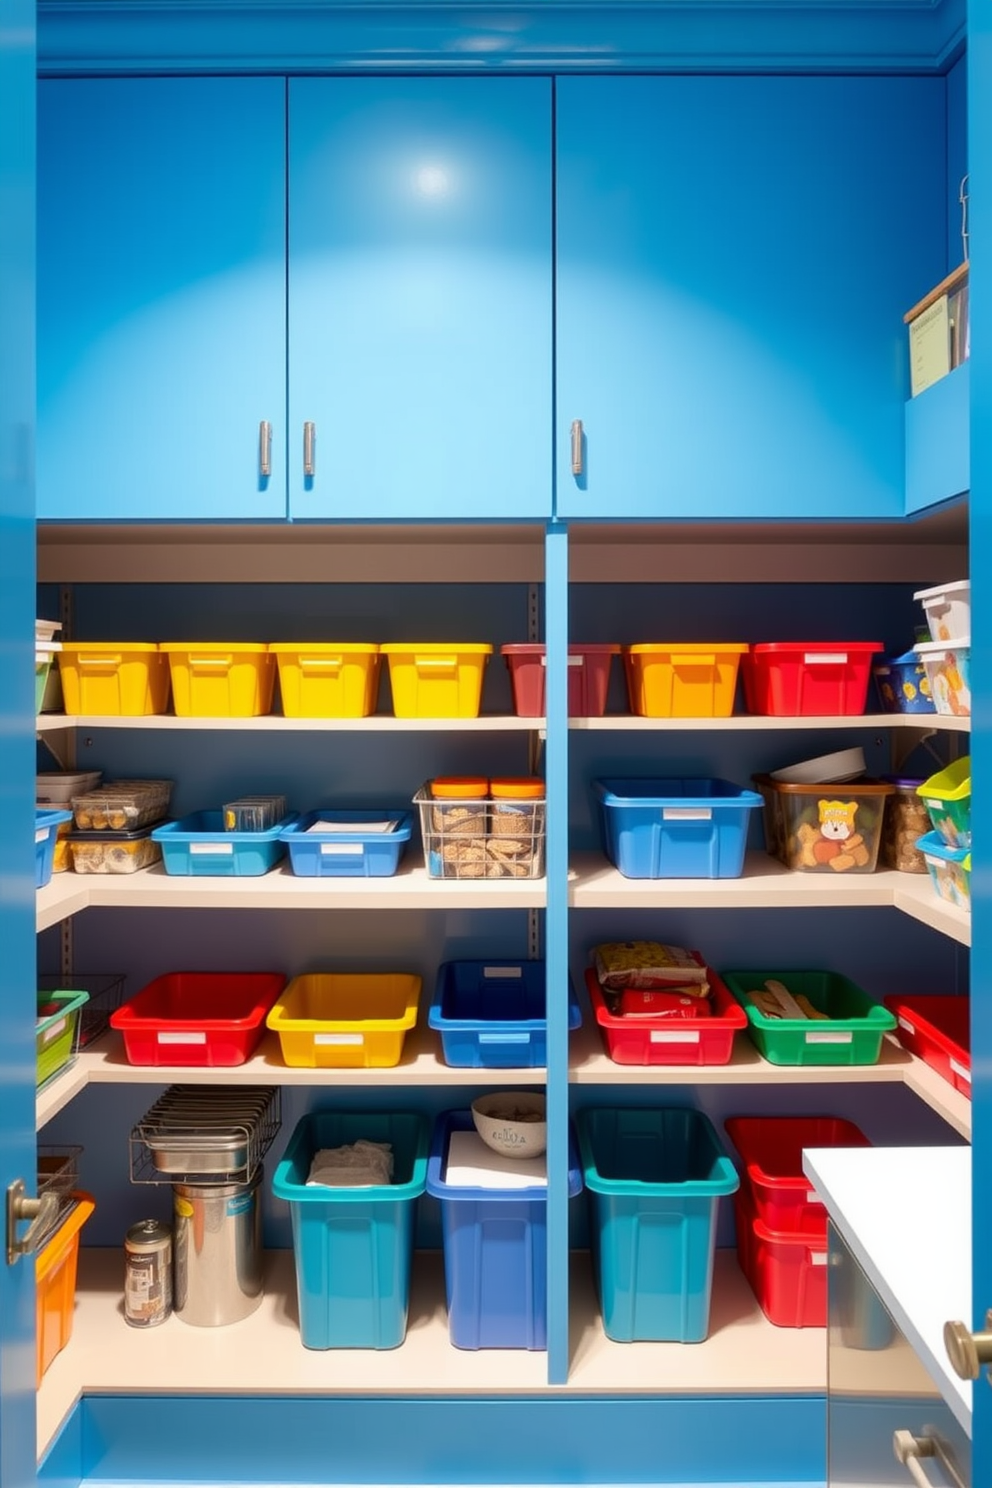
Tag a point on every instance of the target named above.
point(106, 993)
point(205, 1135)
point(482, 837)
point(57, 1174)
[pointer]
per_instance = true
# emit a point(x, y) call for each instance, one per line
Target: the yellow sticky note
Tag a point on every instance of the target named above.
point(930, 346)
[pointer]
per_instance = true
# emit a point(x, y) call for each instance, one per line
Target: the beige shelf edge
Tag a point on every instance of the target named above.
point(263, 1355)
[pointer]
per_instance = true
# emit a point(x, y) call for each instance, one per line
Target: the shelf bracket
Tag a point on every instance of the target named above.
point(533, 935)
point(906, 741)
point(65, 952)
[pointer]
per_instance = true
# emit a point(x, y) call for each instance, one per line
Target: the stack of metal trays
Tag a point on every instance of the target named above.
point(205, 1135)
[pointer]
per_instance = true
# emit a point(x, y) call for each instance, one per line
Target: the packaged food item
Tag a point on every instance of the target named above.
point(633, 1003)
point(122, 805)
point(904, 823)
point(650, 965)
point(254, 813)
point(113, 852)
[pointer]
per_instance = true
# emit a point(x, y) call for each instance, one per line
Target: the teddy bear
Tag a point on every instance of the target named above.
point(833, 842)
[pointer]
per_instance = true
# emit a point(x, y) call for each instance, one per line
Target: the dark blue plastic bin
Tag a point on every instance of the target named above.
point(655, 1177)
point(903, 685)
point(198, 847)
point(354, 1246)
point(675, 828)
point(495, 1251)
point(46, 830)
point(492, 1014)
point(347, 854)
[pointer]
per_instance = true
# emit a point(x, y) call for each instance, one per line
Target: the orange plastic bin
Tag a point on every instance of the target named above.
point(685, 679)
point(55, 1279)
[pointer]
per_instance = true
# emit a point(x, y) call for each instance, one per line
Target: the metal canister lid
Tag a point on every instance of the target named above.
point(148, 1235)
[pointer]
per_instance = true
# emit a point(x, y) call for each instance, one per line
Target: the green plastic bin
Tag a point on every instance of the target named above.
point(56, 1032)
point(852, 1036)
point(947, 797)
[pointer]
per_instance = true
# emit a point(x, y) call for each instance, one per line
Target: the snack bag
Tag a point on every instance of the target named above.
point(650, 966)
point(633, 1003)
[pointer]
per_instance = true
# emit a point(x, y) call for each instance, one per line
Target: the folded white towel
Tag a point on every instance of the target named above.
point(357, 1165)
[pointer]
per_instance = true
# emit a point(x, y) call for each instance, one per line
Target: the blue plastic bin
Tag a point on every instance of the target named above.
point(46, 830)
point(344, 854)
point(675, 828)
point(495, 1251)
point(492, 1014)
point(903, 685)
point(354, 1246)
point(655, 1177)
point(198, 847)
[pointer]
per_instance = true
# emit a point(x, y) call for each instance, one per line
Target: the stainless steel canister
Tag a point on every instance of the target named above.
point(218, 1252)
point(147, 1273)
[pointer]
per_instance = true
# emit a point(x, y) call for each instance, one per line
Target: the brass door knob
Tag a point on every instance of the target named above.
point(968, 1351)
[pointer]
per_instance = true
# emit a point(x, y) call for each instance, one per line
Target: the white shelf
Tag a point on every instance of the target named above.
point(765, 884)
point(409, 888)
point(422, 1065)
point(276, 723)
point(755, 723)
point(262, 1355)
point(64, 895)
point(500, 722)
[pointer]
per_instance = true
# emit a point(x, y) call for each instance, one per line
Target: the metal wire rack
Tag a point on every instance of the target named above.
point(205, 1135)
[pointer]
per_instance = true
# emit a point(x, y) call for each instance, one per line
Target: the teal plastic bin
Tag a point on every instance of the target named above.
point(655, 1177)
point(354, 1246)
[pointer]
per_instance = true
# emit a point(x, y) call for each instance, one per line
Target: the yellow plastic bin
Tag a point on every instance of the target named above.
point(220, 679)
point(436, 679)
point(328, 1020)
point(327, 679)
point(127, 678)
point(683, 680)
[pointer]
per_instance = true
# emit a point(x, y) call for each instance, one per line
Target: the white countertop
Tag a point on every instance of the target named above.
point(905, 1213)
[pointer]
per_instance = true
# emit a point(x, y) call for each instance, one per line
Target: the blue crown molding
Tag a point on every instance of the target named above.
point(470, 36)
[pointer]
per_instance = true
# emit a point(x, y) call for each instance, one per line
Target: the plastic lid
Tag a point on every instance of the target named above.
point(818, 646)
point(240, 647)
point(524, 787)
point(320, 648)
point(476, 648)
point(689, 648)
point(576, 648)
point(129, 646)
point(463, 786)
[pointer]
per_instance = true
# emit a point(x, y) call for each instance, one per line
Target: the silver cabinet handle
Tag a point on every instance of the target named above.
point(42, 1214)
point(309, 439)
point(910, 1449)
point(265, 448)
point(576, 446)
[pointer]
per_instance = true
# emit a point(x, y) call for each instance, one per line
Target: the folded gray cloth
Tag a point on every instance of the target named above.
point(354, 1166)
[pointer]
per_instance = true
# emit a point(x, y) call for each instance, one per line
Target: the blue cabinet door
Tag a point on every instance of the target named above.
point(161, 298)
point(420, 300)
point(734, 259)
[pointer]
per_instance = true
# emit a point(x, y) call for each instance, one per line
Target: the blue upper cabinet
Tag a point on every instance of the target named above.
point(420, 298)
point(734, 259)
point(161, 298)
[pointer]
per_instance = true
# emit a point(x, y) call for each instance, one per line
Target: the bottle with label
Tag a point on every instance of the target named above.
point(148, 1273)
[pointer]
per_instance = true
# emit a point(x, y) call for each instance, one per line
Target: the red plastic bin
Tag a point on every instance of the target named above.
point(588, 678)
point(667, 1041)
point(790, 679)
point(197, 1019)
point(772, 1150)
point(787, 1273)
point(937, 1030)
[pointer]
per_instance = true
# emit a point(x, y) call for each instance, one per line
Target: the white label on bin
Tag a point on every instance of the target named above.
point(182, 1038)
point(573, 661)
point(933, 862)
point(686, 813)
point(935, 805)
point(960, 1071)
point(818, 1257)
point(905, 1023)
point(675, 1036)
point(54, 1031)
point(825, 658)
point(41, 835)
point(503, 972)
point(829, 1038)
point(338, 1038)
point(211, 849)
point(341, 849)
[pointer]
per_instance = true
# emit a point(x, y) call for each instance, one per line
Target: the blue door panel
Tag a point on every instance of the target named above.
point(161, 297)
point(420, 303)
point(734, 259)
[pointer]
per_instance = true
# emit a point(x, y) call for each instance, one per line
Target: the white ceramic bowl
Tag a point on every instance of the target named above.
point(499, 1121)
point(845, 764)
